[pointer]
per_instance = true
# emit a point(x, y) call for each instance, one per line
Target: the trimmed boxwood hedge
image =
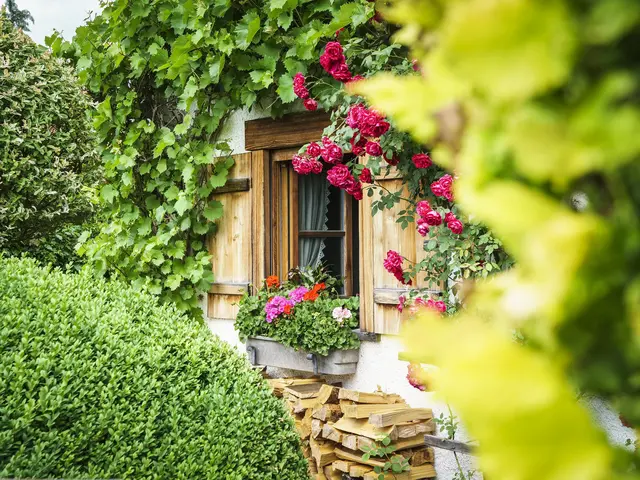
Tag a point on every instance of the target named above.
point(98, 380)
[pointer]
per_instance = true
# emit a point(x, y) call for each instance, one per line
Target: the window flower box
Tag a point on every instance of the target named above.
point(270, 352)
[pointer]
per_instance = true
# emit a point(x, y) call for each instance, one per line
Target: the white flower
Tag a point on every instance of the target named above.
point(340, 313)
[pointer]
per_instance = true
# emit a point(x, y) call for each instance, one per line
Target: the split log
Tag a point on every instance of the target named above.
point(327, 412)
point(359, 471)
point(363, 428)
point(331, 433)
point(303, 404)
point(331, 474)
point(386, 419)
point(344, 454)
point(316, 428)
point(322, 452)
point(363, 411)
point(411, 429)
point(342, 465)
point(364, 397)
point(303, 429)
point(309, 390)
point(328, 394)
point(387, 476)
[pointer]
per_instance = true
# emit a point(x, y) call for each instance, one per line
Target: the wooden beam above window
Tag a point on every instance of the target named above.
point(289, 131)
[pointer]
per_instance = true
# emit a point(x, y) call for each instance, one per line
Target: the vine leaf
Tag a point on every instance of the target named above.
point(247, 29)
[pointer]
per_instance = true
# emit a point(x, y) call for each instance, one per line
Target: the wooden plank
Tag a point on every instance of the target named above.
point(327, 412)
point(234, 185)
point(363, 411)
point(345, 454)
point(446, 444)
point(260, 236)
point(364, 428)
point(359, 471)
point(350, 441)
point(411, 442)
point(316, 428)
point(411, 429)
point(286, 382)
point(331, 474)
point(387, 476)
point(303, 404)
point(328, 394)
point(390, 418)
point(365, 397)
point(303, 429)
point(289, 131)
point(230, 288)
point(309, 390)
point(331, 433)
point(365, 225)
point(421, 472)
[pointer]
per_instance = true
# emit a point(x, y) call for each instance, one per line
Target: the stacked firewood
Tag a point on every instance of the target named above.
point(338, 425)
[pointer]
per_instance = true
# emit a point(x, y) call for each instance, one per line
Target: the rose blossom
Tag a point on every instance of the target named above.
point(326, 141)
point(401, 300)
point(455, 226)
point(298, 79)
point(373, 148)
point(341, 73)
point(449, 216)
point(334, 50)
point(314, 149)
point(357, 148)
point(393, 161)
point(305, 165)
point(422, 208)
point(437, 189)
point(433, 218)
point(301, 91)
point(353, 116)
point(332, 153)
point(423, 229)
point(439, 305)
point(393, 265)
point(413, 373)
point(339, 176)
point(354, 189)
point(310, 104)
point(365, 176)
point(421, 160)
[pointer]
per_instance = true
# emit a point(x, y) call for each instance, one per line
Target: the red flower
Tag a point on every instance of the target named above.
point(423, 229)
point(310, 296)
point(393, 161)
point(372, 124)
point(339, 31)
point(341, 73)
point(373, 149)
point(422, 208)
point(455, 226)
point(353, 116)
point(393, 265)
point(314, 149)
point(357, 148)
point(332, 153)
point(339, 176)
point(272, 281)
point(449, 216)
point(354, 189)
point(365, 176)
point(301, 91)
point(433, 218)
point(298, 80)
point(326, 141)
point(439, 305)
point(304, 165)
point(437, 189)
point(415, 65)
point(334, 51)
point(421, 160)
point(310, 104)
point(288, 309)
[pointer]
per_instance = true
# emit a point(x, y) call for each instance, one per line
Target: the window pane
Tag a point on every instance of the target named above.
point(335, 210)
point(331, 256)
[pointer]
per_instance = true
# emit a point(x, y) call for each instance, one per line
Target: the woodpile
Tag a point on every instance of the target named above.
point(337, 425)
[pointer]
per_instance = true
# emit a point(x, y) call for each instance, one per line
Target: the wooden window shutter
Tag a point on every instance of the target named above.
point(237, 246)
point(379, 290)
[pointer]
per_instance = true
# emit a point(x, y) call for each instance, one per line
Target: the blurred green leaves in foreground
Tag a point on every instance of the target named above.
point(534, 105)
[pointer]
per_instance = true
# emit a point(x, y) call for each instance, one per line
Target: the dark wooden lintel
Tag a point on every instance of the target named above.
point(291, 130)
point(235, 185)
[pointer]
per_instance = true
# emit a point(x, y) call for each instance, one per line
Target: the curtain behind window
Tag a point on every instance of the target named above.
point(313, 194)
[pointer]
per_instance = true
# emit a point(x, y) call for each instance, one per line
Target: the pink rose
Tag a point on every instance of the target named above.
point(433, 218)
point(330, 64)
point(365, 176)
point(446, 181)
point(310, 104)
point(449, 217)
point(373, 148)
point(440, 305)
point(401, 300)
point(316, 166)
point(332, 153)
point(314, 149)
point(354, 189)
point(421, 160)
point(301, 92)
point(304, 165)
point(372, 124)
point(357, 148)
point(423, 229)
point(353, 116)
point(298, 80)
point(455, 226)
point(339, 176)
point(422, 208)
point(334, 51)
point(437, 189)
point(326, 141)
point(341, 73)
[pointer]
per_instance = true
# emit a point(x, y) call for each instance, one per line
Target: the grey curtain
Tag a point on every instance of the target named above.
point(313, 193)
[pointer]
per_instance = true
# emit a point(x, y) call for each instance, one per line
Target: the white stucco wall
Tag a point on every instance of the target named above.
point(379, 365)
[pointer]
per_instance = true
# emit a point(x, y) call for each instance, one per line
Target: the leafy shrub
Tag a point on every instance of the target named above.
point(99, 380)
point(46, 151)
point(314, 322)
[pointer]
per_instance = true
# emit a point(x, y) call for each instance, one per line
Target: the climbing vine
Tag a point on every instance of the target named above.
point(165, 75)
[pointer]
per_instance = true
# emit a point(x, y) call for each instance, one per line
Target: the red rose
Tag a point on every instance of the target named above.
point(353, 116)
point(301, 91)
point(437, 189)
point(357, 148)
point(339, 31)
point(341, 73)
point(449, 217)
point(423, 229)
point(332, 153)
point(433, 218)
point(301, 165)
point(440, 305)
point(316, 166)
point(326, 141)
point(365, 176)
point(310, 104)
point(354, 189)
point(372, 124)
point(446, 181)
point(314, 149)
point(373, 148)
point(334, 51)
point(455, 226)
point(422, 208)
point(393, 161)
point(339, 176)
point(421, 160)
point(329, 64)
point(298, 80)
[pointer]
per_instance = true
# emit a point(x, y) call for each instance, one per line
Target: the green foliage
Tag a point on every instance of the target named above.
point(47, 158)
point(546, 97)
point(100, 381)
point(19, 18)
point(166, 74)
point(384, 451)
point(310, 326)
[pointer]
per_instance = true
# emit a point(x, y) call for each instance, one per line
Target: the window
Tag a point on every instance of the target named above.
point(312, 222)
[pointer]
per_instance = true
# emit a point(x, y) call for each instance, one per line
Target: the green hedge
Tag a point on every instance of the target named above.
point(98, 380)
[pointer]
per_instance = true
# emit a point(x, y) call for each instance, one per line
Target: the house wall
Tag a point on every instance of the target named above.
point(379, 365)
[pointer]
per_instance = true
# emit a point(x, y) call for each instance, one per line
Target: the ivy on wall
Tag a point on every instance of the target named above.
point(166, 74)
